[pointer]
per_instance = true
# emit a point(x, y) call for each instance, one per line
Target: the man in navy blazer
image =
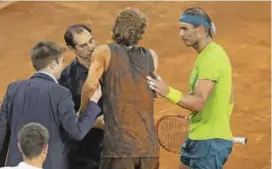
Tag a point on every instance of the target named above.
point(42, 100)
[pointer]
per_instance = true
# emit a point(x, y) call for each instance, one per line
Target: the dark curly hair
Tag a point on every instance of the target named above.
point(129, 27)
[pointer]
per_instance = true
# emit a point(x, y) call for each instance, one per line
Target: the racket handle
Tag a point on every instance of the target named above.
point(240, 140)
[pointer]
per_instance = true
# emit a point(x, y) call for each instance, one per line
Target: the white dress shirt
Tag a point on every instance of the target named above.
point(21, 165)
point(49, 75)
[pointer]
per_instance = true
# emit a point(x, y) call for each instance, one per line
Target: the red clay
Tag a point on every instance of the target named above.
point(243, 29)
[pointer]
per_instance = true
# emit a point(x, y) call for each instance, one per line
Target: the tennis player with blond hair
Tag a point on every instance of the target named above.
point(130, 140)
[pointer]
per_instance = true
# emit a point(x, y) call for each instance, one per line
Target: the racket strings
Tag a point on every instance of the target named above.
point(172, 132)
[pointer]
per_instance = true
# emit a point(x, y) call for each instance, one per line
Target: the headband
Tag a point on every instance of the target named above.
point(194, 20)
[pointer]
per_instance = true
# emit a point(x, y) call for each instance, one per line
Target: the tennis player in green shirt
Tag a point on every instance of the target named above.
point(210, 98)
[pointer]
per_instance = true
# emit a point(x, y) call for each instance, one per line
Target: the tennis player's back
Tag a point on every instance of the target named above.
point(128, 104)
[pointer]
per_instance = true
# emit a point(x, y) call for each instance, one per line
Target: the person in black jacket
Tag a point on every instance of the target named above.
point(42, 100)
point(83, 154)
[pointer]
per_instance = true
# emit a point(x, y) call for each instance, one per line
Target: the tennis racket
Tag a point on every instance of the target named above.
point(172, 131)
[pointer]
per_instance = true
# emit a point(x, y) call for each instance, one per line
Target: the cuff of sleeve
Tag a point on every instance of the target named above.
point(93, 108)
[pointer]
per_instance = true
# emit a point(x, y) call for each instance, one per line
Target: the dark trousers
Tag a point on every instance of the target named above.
point(86, 153)
point(129, 163)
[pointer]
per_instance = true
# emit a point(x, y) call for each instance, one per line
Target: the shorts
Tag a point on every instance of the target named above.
point(205, 154)
point(129, 163)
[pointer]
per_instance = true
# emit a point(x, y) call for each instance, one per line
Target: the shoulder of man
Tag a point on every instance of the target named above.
point(58, 93)
point(67, 70)
point(13, 86)
point(59, 89)
point(102, 54)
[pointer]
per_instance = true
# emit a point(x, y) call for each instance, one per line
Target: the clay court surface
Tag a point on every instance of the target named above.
point(243, 29)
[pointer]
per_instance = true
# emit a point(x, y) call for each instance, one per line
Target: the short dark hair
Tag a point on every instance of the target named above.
point(33, 137)
point(45, 52)
point(201, 13)
point(129, 27)
point(69, 34)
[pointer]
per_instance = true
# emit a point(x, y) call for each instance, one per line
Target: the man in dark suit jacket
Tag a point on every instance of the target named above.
point(42, 100)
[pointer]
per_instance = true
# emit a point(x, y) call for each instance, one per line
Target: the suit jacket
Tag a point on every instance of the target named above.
point(40, 99)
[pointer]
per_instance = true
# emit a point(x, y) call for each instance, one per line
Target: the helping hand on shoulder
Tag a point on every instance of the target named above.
point(97, 94)
point(157, 84)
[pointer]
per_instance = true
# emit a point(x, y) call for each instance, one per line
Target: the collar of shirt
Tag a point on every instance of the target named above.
point(49, 74)
point(23, 165)
point(80, 66)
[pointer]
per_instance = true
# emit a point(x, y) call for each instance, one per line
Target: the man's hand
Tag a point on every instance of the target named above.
point(99, 122)
point(157, 84)
point(97, 94)
point(193, 102)
point(95, 98)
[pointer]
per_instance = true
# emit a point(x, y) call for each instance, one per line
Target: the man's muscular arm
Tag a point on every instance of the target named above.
point(99, 63)
point(195, 102)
